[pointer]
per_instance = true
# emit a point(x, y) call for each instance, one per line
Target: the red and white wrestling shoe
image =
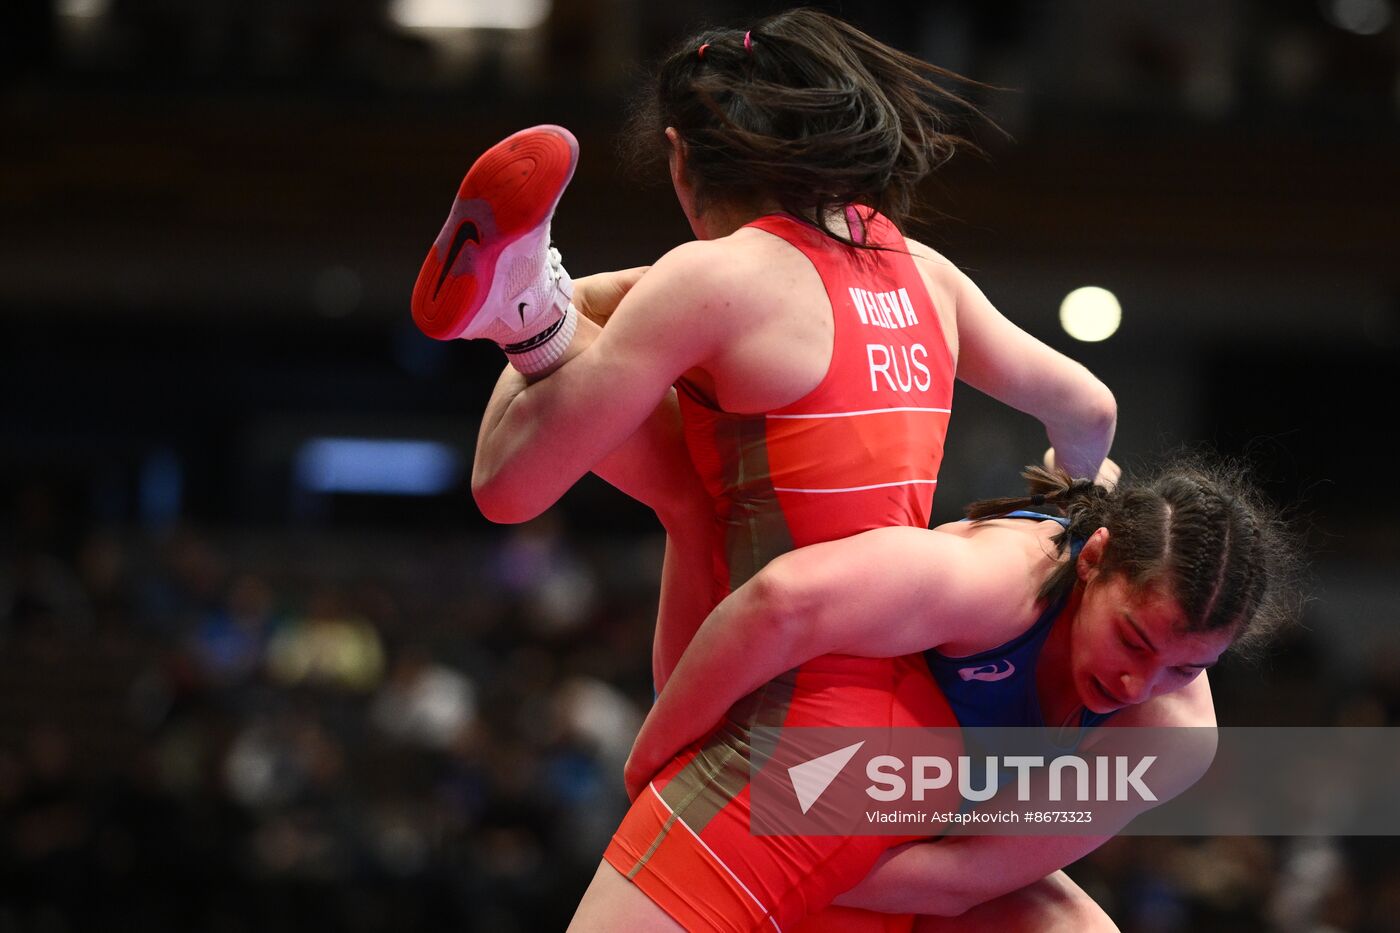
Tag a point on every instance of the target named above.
point(491, 273)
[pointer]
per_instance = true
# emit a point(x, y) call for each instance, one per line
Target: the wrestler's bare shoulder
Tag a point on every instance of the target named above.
point(1007, 558)
point(940, 273)
point(1008, 538)
point(930, 260)
point(746, 268)
point(743, 251)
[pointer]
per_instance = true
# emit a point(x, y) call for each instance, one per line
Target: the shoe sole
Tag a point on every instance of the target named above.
point(493, 243)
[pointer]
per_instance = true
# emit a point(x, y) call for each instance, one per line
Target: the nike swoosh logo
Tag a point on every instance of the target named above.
point(466, 232)
point(521, 311)
point(987, 672)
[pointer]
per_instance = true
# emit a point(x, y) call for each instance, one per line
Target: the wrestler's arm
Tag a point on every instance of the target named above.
point(539, 436)
point(650, 464)
point(597, 296)
point(950, 876)
point(853, 596)
point(997, 357)
point(653, 467)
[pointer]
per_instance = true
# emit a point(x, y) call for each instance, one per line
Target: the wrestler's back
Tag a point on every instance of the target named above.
point(773, 301)
point(823, 415)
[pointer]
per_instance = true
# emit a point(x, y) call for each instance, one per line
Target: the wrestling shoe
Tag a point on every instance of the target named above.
point(491, 273)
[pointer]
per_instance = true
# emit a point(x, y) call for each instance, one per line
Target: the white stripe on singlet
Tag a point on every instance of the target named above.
point(907, 482)
point(854, 414)
point(680, 819)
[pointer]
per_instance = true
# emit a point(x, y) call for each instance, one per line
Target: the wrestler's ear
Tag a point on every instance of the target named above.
point(1091, 555)
point(686, 191)
point(676, 154)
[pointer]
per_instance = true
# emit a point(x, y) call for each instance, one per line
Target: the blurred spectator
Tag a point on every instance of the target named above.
point(327, 646)
point(537, 566)
point(424, 703)
point(229, 642)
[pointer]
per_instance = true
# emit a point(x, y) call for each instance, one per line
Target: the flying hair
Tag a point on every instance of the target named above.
point(804, 110)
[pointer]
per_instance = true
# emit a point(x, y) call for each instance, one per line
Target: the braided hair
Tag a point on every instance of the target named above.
point(1199, 529)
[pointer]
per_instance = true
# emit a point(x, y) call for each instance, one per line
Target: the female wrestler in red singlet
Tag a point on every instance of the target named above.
point(814, 347)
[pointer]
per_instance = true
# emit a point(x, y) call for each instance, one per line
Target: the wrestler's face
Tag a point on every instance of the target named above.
point(1129, 643)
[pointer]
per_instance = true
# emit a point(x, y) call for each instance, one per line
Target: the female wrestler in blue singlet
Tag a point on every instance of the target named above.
point(1115, 610)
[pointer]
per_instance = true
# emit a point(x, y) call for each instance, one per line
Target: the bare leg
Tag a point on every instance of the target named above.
point(612, 904)
point(1054, 904)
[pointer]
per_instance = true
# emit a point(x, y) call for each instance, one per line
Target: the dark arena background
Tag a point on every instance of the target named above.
point(261, 670)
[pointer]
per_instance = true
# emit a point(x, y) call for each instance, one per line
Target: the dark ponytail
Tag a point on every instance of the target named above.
point(805, 110)
point(1199, 528)
point(1053, 487)
point(1084, 503)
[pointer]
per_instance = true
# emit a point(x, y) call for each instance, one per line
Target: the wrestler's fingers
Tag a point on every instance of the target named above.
point(597, 296)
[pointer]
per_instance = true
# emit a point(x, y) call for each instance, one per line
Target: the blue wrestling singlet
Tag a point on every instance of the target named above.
point(997, 687)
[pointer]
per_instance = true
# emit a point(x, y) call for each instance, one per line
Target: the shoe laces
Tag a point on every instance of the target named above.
point(559, 281)
point(556, 266)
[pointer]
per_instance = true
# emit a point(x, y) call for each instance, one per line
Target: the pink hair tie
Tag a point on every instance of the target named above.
point(748, 42)
point(701, 51)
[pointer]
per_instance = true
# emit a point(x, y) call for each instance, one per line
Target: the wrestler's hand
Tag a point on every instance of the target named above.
point(597, 296)
point(649, 755)
point(1109, 472)
point(636, 776)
